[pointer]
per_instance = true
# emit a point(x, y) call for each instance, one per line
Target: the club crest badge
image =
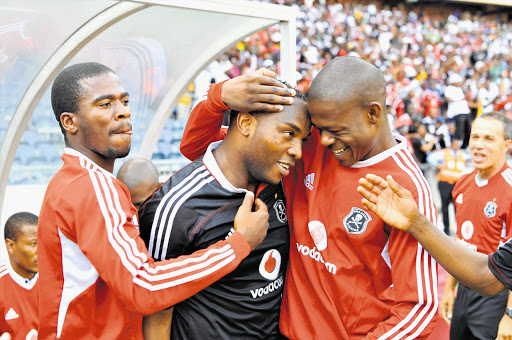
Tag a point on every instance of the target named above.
point(280, 209)
point(357, 221)
point(490, 209)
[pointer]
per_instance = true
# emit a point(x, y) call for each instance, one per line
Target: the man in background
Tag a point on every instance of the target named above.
point(18, 278)
point(483, 211)
point(141, 177)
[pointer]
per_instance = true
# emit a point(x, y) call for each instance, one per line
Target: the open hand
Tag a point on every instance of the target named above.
point(388, 200)
point(256, 92)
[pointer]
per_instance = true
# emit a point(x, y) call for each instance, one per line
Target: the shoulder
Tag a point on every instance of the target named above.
point(184, 191)
point(507, 176)
point(3, 270)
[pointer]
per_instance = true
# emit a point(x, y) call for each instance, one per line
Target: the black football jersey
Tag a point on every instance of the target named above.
point(195, 208)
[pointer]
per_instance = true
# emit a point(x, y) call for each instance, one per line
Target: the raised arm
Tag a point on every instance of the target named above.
point(396, 206)
point(249, 93)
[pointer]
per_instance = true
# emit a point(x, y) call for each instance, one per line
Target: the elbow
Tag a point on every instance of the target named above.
point(144, 308)
point(186, 150)
point(487, 291)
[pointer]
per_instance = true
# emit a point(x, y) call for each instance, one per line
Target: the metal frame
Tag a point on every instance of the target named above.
point(115, 13)
point(47, 74)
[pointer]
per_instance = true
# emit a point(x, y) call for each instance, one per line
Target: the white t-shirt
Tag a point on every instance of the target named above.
point(457, 104)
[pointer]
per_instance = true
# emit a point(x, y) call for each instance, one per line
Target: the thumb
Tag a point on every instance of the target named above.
point(248, 201)
point(260, 206)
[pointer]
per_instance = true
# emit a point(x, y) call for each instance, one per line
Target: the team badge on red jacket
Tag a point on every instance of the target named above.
point(356, 221)
point(490, 209)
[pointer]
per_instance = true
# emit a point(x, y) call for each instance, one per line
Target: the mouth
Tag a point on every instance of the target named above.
point(478, 156)
point(123, 132)
point(284, 168)
point(339, 151)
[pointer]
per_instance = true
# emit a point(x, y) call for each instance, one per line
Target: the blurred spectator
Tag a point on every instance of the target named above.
point(18, 278)
point(458, 109)
point(451, 162)
point(422, 143)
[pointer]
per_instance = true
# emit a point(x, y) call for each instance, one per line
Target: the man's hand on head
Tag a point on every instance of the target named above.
point(256, 92)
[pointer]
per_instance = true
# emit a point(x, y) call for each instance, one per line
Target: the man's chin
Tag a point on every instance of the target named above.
point(117, 153)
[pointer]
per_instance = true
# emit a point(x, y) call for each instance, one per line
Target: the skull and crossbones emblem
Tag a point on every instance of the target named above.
point(357, 221)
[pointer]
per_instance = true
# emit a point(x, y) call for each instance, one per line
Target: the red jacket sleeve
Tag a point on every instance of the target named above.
point(204, 125)
point(108, 236)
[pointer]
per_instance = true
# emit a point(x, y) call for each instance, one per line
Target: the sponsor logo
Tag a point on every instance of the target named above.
point(467, 244)
point(280, 209)
point(356, 221)
point(459, 199)
point(270, 264)
point(315, 255)
point(309, 180)
point(467, 229)
point(271, 287)
point(318, 234)
point(490, 209)
point(11, 314)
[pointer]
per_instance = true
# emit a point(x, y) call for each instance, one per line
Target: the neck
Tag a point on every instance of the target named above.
point(20, 270)
point(489, 172)
point(228, 157)
point(384, 141)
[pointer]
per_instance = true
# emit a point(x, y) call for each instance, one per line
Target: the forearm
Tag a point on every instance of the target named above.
point(157, 326)
point(204, 124)
point(153, 286)
point(465, 265)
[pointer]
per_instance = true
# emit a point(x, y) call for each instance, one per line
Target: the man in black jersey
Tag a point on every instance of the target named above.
point(197, 206)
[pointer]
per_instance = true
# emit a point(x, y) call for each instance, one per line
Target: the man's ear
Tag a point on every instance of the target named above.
point(244, 122)
point(9, 245)
point(69, 122)
point(374, 112)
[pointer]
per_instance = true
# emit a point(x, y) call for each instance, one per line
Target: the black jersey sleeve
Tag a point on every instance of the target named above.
point(500, 264)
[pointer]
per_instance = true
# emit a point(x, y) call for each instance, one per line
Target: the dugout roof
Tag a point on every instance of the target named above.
point(157, 48)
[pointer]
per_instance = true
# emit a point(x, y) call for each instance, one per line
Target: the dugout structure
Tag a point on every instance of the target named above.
point(156, 47)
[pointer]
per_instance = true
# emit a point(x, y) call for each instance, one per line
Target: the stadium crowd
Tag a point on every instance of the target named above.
point(417, 53)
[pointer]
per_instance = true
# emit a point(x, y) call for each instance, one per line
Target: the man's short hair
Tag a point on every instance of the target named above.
point(505, 122)
point(298, 95)
point(16, 222)
point(66, 89)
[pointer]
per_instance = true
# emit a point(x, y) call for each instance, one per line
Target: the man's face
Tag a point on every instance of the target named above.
point(104, 126)
point(23, 251)
point(488, 146)
point(344, 128)
point(276, 143)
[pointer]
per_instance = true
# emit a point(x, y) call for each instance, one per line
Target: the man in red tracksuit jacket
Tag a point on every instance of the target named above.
point(96, 277)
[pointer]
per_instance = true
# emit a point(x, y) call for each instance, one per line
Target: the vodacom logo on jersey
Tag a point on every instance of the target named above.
point(270, 264)
point(269, 268)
